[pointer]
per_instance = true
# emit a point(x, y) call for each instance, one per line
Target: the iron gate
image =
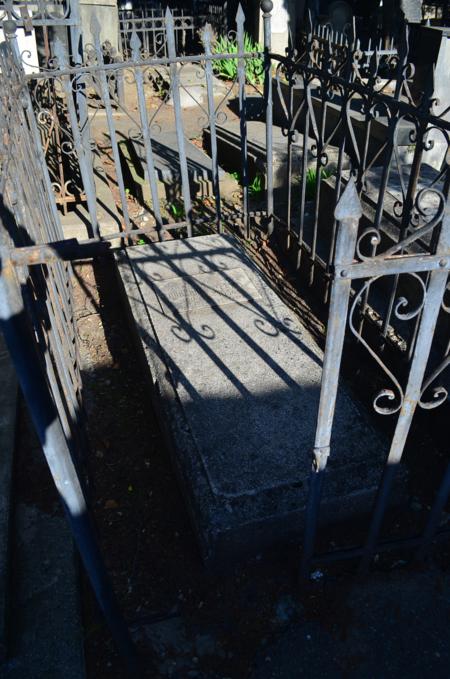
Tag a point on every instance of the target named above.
point(332, 99)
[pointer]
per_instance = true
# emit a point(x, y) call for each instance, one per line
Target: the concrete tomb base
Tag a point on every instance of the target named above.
point(237, 381)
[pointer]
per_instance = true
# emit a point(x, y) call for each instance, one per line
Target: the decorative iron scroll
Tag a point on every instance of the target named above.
point(349, 109)
point(32, 13)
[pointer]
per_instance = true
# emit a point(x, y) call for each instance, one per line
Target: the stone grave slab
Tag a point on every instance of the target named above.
point(236, 379)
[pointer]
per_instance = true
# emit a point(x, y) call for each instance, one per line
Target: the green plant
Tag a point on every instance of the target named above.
point(257, 186)
point(311, 179)
point(176, 210)
point(228, 67)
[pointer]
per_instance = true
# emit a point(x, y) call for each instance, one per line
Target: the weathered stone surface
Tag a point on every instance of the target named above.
point(412, 9)
point(238, 380)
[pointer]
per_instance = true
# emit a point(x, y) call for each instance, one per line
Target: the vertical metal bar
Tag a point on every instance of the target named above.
point(443, 493)
point(76, 40)
point(95, 30)
point(348, 212)
point(391, 135)
point(320, 139)
point(430, 312)
point(291, 133)
point(146, 34)
point(120, 82)
point(240, 20)
point(135, 45)
point(84, 159)
point(20, 343)
point(183, 33)
point(304, 176)
point(267, 6)
point(349, 75)
point(207, 40)
point(175, 87)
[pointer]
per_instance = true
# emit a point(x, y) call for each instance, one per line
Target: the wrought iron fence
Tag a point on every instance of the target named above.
point(149, 25)
point(98, 77)
point(32, 13)
point(355, 112)
point(39, 21)
point(37, 320)
point(356, 133)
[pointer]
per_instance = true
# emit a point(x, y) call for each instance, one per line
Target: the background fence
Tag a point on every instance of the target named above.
point(149, 25)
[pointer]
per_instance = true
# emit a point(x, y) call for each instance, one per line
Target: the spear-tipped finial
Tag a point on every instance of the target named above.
point(349, 204)
point(240, 16)
point(135, 44)
point(95, 26)
point(207, 36)
point(60, 53)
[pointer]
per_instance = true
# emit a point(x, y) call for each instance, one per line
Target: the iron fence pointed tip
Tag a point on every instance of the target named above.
point(95, 26)
point(59, 51)
point(349, 204)
point(135, 43)
point(207, 34)
point(240, 16)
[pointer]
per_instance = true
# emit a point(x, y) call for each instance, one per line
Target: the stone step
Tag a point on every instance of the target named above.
point(229, 148)
point(8, 412)
point(238, 383)
point(166, 160)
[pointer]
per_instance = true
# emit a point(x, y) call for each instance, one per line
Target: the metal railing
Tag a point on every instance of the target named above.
point(149, 25)
point(39, 19)
point(431, 268)
point(98, 75)
point(358, 112)
point(30, 14)
point(360, 209)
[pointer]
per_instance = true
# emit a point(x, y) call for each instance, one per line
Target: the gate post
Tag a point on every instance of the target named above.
point(348, 213)
point(267, 6)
